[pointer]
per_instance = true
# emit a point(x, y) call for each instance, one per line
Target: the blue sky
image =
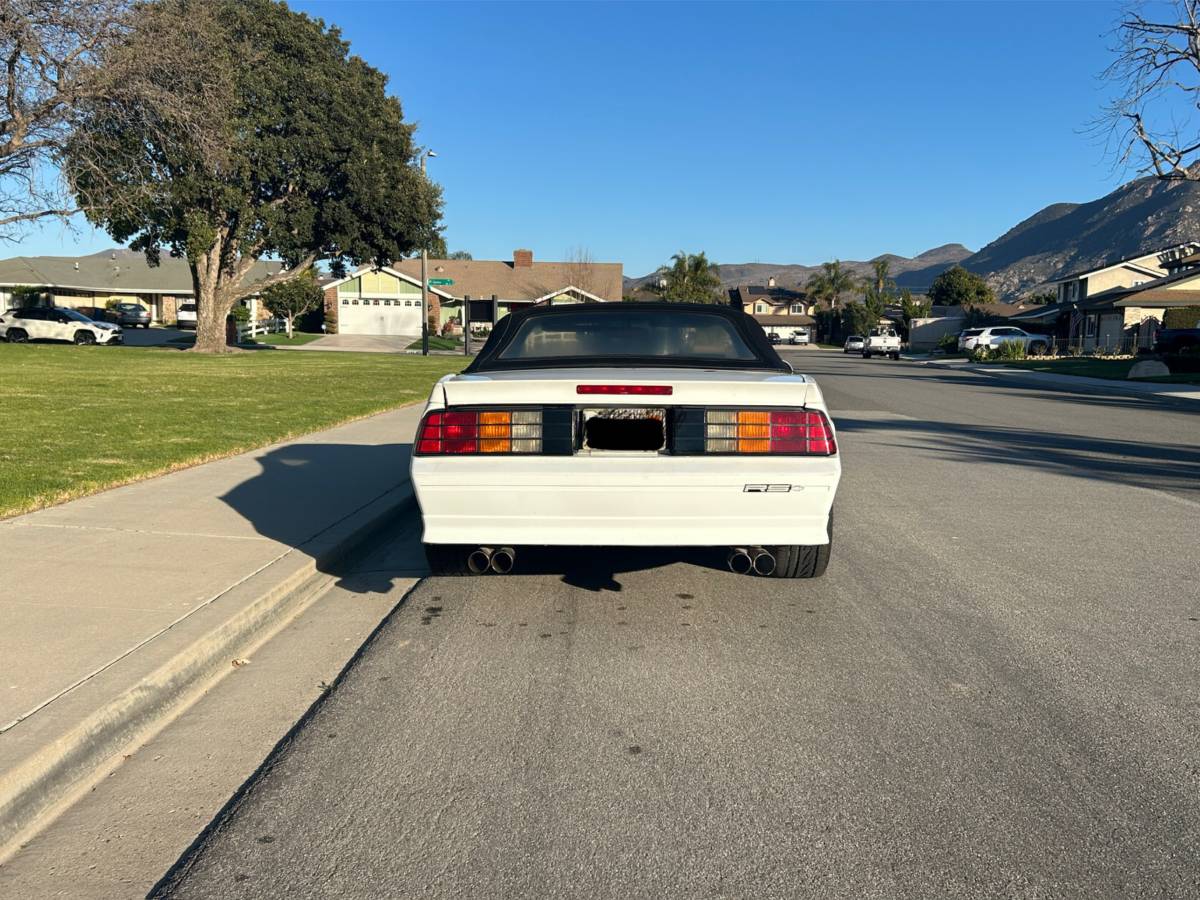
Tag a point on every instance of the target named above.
point(773, 132)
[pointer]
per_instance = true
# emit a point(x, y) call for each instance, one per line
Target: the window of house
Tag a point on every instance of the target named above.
point(1090, 326)
point(798, 309)
point(345, 301)
point(760, 307)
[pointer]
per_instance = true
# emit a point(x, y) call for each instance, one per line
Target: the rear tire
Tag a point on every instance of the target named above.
point(446, 559)
point(17, 336)
point(895, 356)
point(803, 561)
point(866, 354)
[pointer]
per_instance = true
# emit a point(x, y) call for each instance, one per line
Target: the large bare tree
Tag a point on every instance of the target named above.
point(1154, 120)
point(49, 50)
point(63, 59)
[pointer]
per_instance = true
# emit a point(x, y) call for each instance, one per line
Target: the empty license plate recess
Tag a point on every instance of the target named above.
point(623, 429)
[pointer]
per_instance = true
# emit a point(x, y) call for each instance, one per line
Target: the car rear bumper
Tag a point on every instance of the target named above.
point(633, 501)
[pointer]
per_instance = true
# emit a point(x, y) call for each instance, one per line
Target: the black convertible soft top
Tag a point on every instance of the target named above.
point(755, 354)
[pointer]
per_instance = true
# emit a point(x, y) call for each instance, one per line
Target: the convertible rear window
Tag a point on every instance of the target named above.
point(642, 333)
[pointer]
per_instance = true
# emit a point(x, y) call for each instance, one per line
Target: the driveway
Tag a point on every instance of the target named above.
point(155, 336)
point(360, 343)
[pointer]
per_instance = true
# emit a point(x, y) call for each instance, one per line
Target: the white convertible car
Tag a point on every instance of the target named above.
point(627, 424)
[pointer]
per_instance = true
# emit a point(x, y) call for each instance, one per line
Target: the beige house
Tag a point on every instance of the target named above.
point(387, 300)
point(113, 276)
point(1121, 273)
point(1127, 317)
point(777, 309)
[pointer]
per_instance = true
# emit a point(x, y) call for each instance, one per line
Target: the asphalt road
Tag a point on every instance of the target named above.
point(993, 691)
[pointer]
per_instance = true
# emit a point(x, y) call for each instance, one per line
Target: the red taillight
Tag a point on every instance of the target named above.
point(791, 431)
point(481, 431)
point(643, 389)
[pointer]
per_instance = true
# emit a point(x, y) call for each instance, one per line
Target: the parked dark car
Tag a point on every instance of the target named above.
point(131, 314)
point(1175, 340)
point(774, 338)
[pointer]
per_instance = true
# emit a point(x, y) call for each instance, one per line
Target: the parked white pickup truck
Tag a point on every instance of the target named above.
point(882, 342)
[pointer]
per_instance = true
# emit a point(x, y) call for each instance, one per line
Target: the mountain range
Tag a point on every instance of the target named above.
point(1138, 217)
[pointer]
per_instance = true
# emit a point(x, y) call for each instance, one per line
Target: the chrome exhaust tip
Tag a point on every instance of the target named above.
point(503, 560)
point(739, 561)
point(762, 561)
point(479, 560)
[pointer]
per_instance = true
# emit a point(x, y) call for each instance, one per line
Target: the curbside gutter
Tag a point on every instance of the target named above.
point(49, 780)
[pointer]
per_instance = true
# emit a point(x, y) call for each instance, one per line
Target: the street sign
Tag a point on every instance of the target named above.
point(440, 281)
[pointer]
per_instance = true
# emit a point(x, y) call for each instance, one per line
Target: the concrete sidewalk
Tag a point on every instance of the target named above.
point(1148, 389)
point(114, 606)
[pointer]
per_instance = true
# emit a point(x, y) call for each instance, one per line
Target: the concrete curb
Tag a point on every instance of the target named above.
point(47, 781)
point(1071, 382)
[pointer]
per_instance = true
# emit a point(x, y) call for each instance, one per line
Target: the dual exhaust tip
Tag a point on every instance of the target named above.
point(751, 561)
point(500, 560)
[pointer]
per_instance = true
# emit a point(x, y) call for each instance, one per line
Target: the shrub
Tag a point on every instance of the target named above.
point(980, 354)
point(1010, 350)
point(1184, 363)
point(948, 342)
point(1182, 317)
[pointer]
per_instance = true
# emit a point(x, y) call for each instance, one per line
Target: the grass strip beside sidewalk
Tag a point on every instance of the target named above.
point(76, 420)
point(1091, 367)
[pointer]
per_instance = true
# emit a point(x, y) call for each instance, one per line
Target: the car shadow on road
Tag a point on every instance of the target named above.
point(1172, 467)
point(596, 568)
point(307, 493)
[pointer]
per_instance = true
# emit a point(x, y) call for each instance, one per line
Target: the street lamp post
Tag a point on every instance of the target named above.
point(428, 154)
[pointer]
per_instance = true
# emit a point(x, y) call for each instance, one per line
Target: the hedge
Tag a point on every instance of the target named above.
point(1182, 317)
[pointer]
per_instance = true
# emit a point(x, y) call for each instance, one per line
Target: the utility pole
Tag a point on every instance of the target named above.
point(425, 278)
point(466, 317)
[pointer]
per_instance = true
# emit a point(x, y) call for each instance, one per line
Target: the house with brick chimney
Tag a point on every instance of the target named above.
point(388, 300)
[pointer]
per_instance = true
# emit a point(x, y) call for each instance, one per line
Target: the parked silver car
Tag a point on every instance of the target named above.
point(973, 338)
point(854, 344)
point(131, 315)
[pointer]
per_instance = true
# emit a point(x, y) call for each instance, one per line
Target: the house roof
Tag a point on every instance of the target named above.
point(1127, 261)
point(480, 278)
point(784, 320)
point(775, 296)
point(1042, 311)
point(1157, 292)
point(116, 271)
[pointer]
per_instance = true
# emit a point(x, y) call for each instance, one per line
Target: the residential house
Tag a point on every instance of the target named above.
point(777, 309)
point(1128, 272)
point(387, 300)
point(112, 276)
point(1127, 318)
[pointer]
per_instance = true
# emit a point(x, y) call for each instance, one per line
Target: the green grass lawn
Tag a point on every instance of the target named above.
point(437, 342)
point(281, 339)
point(77, 420)
point(1089, 367)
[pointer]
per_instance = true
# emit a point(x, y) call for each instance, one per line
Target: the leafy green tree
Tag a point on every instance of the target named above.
point(690, 278)
point(289, 300)
point(857, 318)
point(958, 287)
point(830, 283)
point(911, 308)
point(1043, 298)
point(459, 254)
point(307, 157)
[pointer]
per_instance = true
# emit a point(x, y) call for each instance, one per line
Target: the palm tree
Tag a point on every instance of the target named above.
point(690, 277)
point(830, 283)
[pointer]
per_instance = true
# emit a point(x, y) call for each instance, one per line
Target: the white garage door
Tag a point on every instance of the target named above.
point(380, 317)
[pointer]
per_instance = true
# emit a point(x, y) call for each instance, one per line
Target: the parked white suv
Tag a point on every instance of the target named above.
point(56, 324)
point(185, 316)
point(972, 338)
